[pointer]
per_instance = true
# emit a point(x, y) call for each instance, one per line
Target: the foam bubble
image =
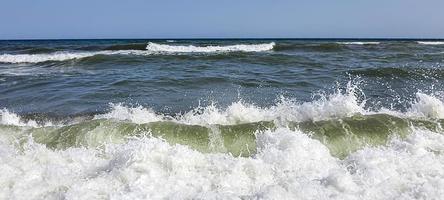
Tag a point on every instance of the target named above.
point(154, 47)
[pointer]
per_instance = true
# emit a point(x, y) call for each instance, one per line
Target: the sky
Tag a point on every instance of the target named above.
point(79, 19)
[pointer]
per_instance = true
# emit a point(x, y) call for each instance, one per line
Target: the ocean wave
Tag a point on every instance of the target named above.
point(336, 105)
point(289, 164)
point(328, 147)
point(342, 136)
point(63, 56)
point(327, 107)
point(36, 58)
point(154, 47)
point(131, 49)
point(359, 43)
point(431, 42)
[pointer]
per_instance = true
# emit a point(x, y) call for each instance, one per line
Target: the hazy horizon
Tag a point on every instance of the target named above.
point(229, 38)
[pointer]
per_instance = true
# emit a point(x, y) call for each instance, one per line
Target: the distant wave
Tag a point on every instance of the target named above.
point(132, 49)
point(359, 43)
point(154, 47)
point(431, 42)
point(36, 58)
point(62, 56)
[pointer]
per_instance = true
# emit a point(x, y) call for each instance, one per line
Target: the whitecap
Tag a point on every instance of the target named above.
point(359, 43)
point(431, 42)
point(154, 47)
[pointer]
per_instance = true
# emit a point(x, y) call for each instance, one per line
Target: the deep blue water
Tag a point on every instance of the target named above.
point(389, 73)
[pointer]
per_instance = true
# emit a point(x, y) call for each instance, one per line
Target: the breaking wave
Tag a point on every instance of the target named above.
point(132, 49)
point(431, 42)
point(36, 58)
point(359, 43)
point(154, 47)
point(289, 164)
point(336, 105)
point(327, 148)
point(63, 56)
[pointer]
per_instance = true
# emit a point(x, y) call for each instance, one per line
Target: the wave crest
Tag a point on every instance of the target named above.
point(359, 43)
point(154, 47)
point(431, 42)
point(37, 58)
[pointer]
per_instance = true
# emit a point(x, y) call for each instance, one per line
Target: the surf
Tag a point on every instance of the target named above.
point(132, 49)
point(154, 47)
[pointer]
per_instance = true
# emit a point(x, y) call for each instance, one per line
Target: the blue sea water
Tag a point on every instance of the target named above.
point(222, 119)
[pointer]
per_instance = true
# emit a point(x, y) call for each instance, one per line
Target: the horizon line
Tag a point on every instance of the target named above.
point(235, 38)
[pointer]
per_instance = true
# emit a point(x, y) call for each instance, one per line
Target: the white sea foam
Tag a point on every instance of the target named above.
point(335, 105)
point(154, 47)
point(359, 43)
point(136, 114)
point(328, 106)
point(10, 118)
point(427, 106)
point(36, 58)
point(431, 42)
point(288, 165)
point(332, 106)
point(62, 56)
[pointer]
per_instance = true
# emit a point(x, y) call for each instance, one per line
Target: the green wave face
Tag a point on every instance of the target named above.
point(341, 136)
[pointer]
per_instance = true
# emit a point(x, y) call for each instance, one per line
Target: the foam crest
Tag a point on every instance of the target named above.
point(289, 165)
point(359, 43)
point(327, 106)
point(431, 42)
point(427, 106)
point(236, 113)
point(154, 47)
point(9, 118)
point(36, 58)
point(63, 56)
point(138, 114)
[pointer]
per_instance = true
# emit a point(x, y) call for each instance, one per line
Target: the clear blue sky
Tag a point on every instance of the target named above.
point(31, 19)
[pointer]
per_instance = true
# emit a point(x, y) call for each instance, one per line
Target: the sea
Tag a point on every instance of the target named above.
point(222, 119)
